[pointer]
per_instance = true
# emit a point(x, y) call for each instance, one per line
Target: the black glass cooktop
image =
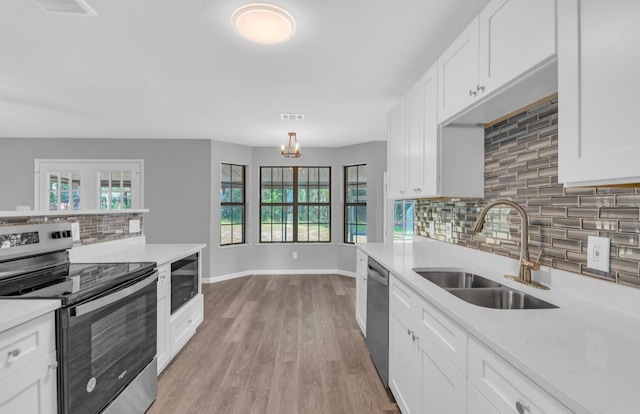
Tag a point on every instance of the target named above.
point(73, 283)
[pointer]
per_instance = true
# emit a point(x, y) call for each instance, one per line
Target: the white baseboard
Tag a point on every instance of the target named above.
point(230, 276)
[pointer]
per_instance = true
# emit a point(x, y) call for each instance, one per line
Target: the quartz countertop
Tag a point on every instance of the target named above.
point(584, 354)
point(159, 253)
point(14, 312)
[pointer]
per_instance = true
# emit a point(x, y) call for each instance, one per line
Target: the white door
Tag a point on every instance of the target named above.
point(415, 140)
point(430, 147)
point(31, 390)
point(476, 403)
point(361, 291)
point(396, 153)
point(444, 387)
point(598, 84)
point(404, 372)
point(458, 73)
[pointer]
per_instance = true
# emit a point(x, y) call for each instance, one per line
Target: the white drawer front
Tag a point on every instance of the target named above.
point(26, 343)
point(506, 388)
point(401, 295)
point(450, 338)
point(184, 325)
point(164, 275)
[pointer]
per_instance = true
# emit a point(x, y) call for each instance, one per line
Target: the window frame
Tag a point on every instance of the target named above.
point(404, 236)
point(294, 205)
point(232, 204)
point(348, 204)
point(89, 180)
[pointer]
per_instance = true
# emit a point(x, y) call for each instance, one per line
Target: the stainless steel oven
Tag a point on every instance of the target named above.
point(184, 281)
point(106, 329)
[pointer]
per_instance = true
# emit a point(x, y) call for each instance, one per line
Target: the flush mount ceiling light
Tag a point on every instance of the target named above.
point(263, 23)
point(291, 152)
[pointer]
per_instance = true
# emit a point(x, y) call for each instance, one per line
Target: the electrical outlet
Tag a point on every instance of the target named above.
point(449, 230)
point(295, 255)
point(432, 228)
point(75, 231)
point(598, 253)
point(134, 226)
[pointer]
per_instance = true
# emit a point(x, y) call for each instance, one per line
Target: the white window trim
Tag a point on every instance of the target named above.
point(88, 167)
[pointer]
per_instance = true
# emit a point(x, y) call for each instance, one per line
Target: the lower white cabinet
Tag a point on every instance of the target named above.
point(444, 387)
point(361, 291)
point(506, 388)
point(28, 371)
point(404, 351)
point(476, 403)
point(164, 330)
point(184, 323)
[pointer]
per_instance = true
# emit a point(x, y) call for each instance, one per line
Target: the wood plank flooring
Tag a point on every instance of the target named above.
point(281, 344)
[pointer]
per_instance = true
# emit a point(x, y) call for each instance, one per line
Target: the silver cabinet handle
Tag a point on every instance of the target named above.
point(480, 88)
point(14, 352)
point(472, 92)
point(53, 365)
point(522, 407)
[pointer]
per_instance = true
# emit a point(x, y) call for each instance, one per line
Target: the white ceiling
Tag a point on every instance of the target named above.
point(176, 69)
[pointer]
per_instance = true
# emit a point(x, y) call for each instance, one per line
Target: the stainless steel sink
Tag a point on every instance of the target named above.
point(456, 280)
point(501, 298)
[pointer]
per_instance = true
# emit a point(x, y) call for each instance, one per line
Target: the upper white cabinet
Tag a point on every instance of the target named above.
point(507, 41)
point(429, 158)
point(396, 152)
point(598, 78)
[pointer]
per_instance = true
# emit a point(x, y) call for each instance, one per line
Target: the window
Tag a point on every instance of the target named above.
point(295, 204)
point(355, 203)
point(88, 184)
point(232, 204)
point(403, 211)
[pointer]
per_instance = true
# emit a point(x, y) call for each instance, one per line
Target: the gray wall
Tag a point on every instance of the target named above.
point(177, 191)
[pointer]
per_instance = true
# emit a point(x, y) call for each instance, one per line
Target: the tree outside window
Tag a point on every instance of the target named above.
point(232, 204)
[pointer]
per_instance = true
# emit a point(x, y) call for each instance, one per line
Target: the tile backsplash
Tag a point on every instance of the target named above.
point(94, 228)
point(521, 164)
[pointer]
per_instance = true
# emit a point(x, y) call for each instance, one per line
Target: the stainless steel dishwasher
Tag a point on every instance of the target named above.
point(378, 318)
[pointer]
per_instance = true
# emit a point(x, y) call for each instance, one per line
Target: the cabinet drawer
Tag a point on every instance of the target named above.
point(401, 295)
point(26, 343)
point(506, 388)
point(164, 275)
point(185, 322)
point(450, 338)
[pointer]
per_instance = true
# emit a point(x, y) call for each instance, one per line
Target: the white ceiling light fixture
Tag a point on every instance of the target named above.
point(263, 23)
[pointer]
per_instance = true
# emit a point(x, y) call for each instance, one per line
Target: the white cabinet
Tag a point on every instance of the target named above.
point(433, 157)
point(476, 403)
point(404, 372)
point(506, 41)
point(184, 323)
point(396, 153)
point(506, 388)
point(28, 376)
point(361, 291)
point(598, 78)
point(164, 314)
point(444, 387)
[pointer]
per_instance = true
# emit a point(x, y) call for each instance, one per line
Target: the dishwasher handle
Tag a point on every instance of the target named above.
point(377, 277)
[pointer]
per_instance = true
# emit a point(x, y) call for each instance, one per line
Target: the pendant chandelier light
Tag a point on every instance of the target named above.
point(290, 152)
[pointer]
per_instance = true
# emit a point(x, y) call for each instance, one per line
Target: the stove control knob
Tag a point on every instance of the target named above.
point(56, 235)
point(66, 233)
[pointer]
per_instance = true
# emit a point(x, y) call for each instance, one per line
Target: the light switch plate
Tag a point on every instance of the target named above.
point(134, 226)
point(432, 228)
point(598, 253)
point(75, 231)
point(449, 230)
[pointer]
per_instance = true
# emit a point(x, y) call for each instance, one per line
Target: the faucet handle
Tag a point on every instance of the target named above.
point(533, 265)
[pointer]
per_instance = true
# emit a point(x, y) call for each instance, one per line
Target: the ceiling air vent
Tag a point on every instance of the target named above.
point(69, 7)
point(292, 117)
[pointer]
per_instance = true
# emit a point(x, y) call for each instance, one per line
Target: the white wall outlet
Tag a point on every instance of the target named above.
point(134, 226)
point(598, 253)
point(449, 230)
point(432, 228)
point(295, 255)
point(75, 231)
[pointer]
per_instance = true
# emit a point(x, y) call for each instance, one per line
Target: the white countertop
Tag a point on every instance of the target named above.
point(584, 354)
point(159, 253)
point(13, 312)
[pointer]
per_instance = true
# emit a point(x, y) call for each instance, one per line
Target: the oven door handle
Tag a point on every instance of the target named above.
point(114, 297)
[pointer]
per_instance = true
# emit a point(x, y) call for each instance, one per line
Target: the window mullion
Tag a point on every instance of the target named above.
point(295, 204)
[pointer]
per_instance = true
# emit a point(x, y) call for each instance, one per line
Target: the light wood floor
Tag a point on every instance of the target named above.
point(280, 344)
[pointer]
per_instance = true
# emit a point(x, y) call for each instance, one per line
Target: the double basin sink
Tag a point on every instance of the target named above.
point(480, 291)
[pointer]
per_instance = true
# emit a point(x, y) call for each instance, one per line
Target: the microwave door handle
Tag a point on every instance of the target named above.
point(114, 297)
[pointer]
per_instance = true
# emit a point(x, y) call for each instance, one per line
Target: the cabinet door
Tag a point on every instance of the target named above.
point(415, 140)
point(515, 36)
point(396, 153)
point(598, 80)
point(476, 403)
point(361, 291)
point(404, 372)
point(164, 332)
point(444, 387)
point(430, 162)
point(458, 73)
point(31, 390)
